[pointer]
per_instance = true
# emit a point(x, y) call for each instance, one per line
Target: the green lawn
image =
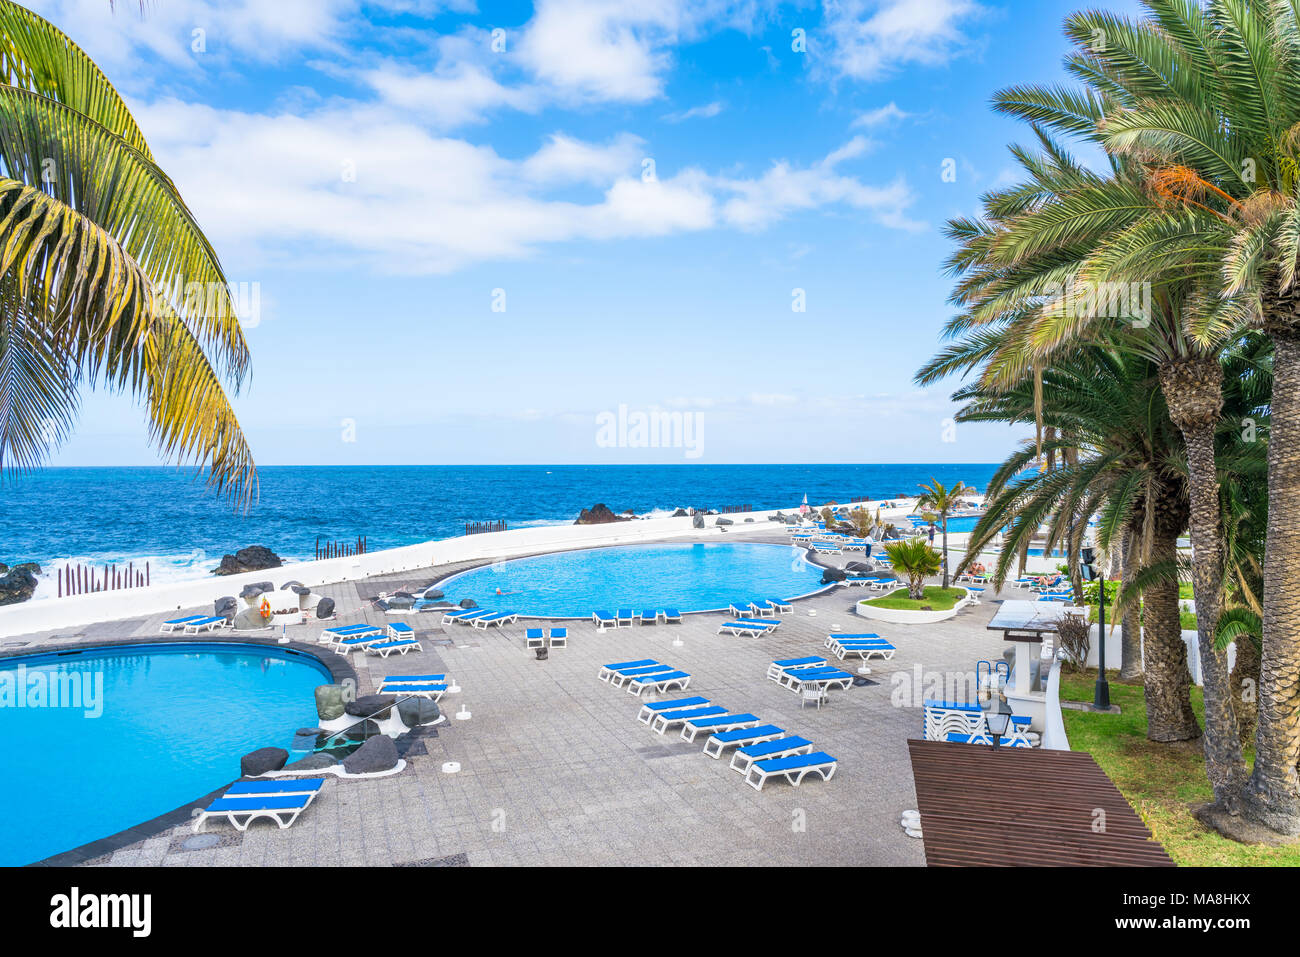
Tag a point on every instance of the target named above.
point(1159, 780)
point(936, 598)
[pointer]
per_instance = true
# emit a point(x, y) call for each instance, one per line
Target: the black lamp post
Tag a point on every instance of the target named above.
point(1089, 572)
point(997, 719)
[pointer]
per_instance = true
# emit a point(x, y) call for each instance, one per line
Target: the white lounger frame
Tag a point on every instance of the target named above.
point(756, 777)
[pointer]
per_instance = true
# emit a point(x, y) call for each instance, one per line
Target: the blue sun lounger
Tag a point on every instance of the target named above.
point(172, 624)
point(607, 670)
point(432, 689)
point(776, 748)
point(652, 708)
point(603, 620)
point(864, 649)
point(770, 623)
point(649, 617)
point(778, 667)
point(399, 646)
point(660, 682)
point(205, 623)
point(619, 678)
point(743, 628)
point(357, 639)
point(534, 638)
point(741, 737)
point(411, 679)
point(794, 769)
point(559, 637)
point(671, 616)
point(465, 615)
point(834, 638)
point(720, 722)
point(245, 801)
point(344, 631)
point(400, 629)
point(497, 618)
point(761, 608)
point(796, 678)
point(782, 607)
point(626, 616)
point(661, 722)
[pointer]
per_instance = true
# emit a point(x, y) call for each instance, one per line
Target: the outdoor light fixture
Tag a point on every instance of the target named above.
point(1089, 571)
point(997, 720)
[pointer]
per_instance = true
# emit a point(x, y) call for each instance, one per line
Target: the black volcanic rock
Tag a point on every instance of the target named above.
point(251, 559)
point(599, 514)
point(19, 583)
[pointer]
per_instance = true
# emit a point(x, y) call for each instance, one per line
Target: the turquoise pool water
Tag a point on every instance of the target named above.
point(688, 577)
point(140, 730)
point(959, 523)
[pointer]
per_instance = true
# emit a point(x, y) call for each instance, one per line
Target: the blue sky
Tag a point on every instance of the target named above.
point(643, 186)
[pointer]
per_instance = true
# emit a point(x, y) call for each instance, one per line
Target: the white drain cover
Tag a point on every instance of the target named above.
point(450, 767)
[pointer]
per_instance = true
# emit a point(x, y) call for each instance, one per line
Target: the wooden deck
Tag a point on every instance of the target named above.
point(1024, 807)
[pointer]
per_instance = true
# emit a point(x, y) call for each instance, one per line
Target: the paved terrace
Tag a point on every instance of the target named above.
point(555, 769)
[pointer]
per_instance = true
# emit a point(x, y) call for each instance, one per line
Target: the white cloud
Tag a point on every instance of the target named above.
point(601, 49)
point(706, 111)
point(279, 187)
point(881, 116)
point(567, 160)
point(868, 39)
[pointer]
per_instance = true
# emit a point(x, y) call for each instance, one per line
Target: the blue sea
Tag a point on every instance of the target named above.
point(162, 515)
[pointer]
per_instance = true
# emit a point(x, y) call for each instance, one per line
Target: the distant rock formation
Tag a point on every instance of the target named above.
point(254, 558)
point(600, 514)
point(18, 583)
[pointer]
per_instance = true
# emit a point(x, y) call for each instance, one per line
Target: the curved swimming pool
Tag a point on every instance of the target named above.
point(688, 577)
point(98, 740)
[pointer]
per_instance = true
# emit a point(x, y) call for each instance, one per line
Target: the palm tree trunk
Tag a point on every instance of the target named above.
point(1273, 792)
point(945, 550)
point(1167, 681)
point(1130, 634)
point(1194, 391)
point(1245, 687)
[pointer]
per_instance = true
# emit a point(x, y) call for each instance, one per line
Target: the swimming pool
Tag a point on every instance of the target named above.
point(139, 731)
point(958, 523)
point(688, 577)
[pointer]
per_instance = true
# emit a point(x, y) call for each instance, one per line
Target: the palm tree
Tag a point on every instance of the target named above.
point(106, 279)
point(1121, 458)
point(940, 500)
point(1205, 100)
point(1068, 235)
point(917, 560)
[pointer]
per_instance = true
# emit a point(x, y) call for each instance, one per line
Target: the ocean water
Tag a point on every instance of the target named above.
point(116, 515)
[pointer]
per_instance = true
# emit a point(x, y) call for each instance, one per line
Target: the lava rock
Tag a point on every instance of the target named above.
point(287, 585)
point(599, 514)
point(433, 594)
point(680, 513)
point(378, 753)
point(401, 603)
point(226, 607)
point(254, 558)
point(313, 762)
point(417, 711)
point(325, 608)
point(262, 761)
point(697, 520)
point(748, 520)
point(832, 575)
point(468, 603)
point(403, 594)
point(329, 702)
point(724, 521)
point(377, 706)
point(251, 592)
point(379, 604)
point(18, 584)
